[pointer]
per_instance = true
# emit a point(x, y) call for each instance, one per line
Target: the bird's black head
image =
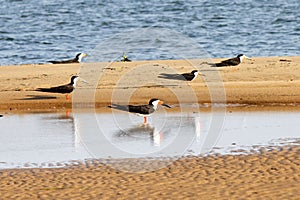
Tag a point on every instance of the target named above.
point(156, 102)
point(194, 71)
point(152, 100)
point(74, 79)
point(77, 56)
point(240, 55)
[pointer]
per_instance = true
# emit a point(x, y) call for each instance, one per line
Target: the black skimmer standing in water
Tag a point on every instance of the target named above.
point(125, 58)
point(142, 110)
point(63, 89)
point(77, 59)
point(232, 61)
point(146, 110)
point(191, 76)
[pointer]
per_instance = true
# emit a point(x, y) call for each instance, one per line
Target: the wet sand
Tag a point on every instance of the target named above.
point(260, 81)
point(273, 174)
point(266, 175)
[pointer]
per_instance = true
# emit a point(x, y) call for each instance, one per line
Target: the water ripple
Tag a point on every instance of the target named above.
point(47, 28)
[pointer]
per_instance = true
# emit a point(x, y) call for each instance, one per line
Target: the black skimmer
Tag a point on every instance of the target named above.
point(146, 110)
point(183, 77)
point(125, 58)
point(63, 89)
point(232, 61)
point(191, 76)
point(77, 59)
point(142, 110)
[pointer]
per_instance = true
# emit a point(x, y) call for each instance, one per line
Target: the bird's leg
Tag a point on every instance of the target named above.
point(161, 136)
point(67, 113)
point(67, 97)
point(145, 120)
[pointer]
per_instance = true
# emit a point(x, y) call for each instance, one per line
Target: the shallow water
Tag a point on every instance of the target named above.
point(35, 31)
point(54, 139)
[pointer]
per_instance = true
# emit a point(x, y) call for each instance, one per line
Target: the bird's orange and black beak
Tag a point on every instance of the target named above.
point(83, 80)
point(163, 104)
point(247, 57)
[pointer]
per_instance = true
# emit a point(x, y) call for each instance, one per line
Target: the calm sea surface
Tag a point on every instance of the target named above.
point(34, 31)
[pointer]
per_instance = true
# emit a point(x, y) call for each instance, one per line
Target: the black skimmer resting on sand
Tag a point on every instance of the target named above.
point(182, 77)
point(63, 89)
point(232, 61)
point(77, 59)
point(142, 110)
point(125, 58)
point(191, 76)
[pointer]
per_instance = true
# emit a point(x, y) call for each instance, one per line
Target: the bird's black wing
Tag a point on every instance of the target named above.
point(172, 76)
point(188, 76)
point(143, 109)
point(59, 89)
point(54, 61)
point(64, 61)
point(119, 107)
point(229, 62)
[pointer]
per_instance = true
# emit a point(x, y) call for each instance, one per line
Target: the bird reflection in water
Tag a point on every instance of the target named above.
point(63, 116)
point(197, 128)
point(66, 121)
point(142, 132)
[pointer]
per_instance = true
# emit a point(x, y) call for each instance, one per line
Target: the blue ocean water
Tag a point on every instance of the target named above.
point(34, 31)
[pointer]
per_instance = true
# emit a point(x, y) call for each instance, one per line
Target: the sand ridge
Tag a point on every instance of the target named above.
point(262, 80)
point(270, 174)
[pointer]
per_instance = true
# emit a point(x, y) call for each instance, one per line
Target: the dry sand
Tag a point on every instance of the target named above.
point(259, 81)
point(267, 175)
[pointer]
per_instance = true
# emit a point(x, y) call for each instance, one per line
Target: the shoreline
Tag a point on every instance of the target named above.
point(260, 81)
point(254, 150)
point(175, 108)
